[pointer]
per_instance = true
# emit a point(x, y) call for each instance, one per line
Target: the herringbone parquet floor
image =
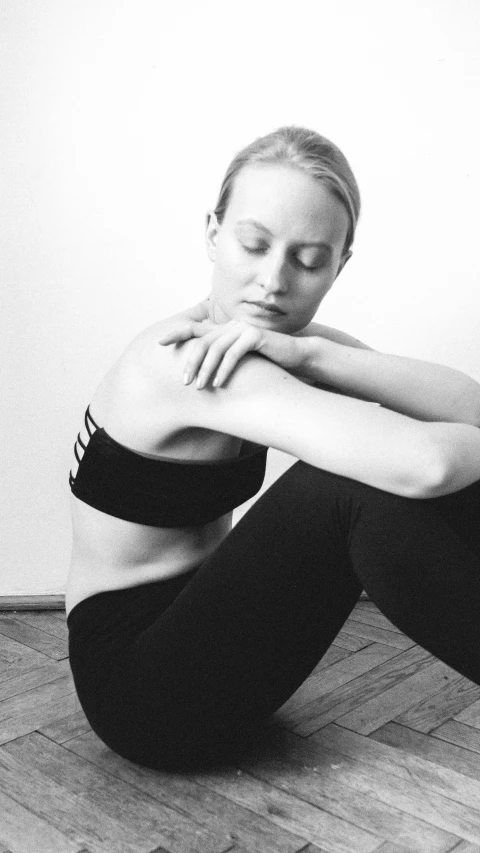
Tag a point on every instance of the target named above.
point(378, 750)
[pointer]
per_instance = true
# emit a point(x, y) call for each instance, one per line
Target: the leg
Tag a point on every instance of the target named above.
point(253, 621)
point(237, 640)
point(421, 566)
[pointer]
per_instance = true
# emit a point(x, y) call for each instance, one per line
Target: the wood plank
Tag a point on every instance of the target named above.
point(19, 826)
point(47, 622)
point(402, 793)
point(289, 812)
point(377, 635)
point(325, 709)
point(441, 752)
point(381, 709)
point(459, 734)
point(23, 666)
point(289, 766)
point(59, 614)
point(33, 677)
point(312, 848)
point(335, 676)
point(440, 706)
point(372, 616)
point(470, 716)
point(424, 774)
point(52, 804)
point(348, 641)
point(109, 814)
point(13, 652)
point(463, 847)
point(66, 728)
point(331, 656)
point(49, 645)
point(365, 603)
point(179, 791)
point(47, 702)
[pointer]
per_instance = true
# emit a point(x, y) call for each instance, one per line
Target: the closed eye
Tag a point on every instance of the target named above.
point(260, 250)
point(307, 267)
point(254, 250)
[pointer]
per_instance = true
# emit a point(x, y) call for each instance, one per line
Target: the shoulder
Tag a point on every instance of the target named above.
point(144, 351)
point(331, 334)
point(143, 365)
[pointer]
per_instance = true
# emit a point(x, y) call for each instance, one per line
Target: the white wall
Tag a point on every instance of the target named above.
point(118, 120)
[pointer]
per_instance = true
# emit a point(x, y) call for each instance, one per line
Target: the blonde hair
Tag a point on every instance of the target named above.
point(305, 150)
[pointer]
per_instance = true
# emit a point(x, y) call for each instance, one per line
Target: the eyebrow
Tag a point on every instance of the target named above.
point(319, 244)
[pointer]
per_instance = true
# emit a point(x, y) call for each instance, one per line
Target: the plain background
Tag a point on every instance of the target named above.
point(118, 120)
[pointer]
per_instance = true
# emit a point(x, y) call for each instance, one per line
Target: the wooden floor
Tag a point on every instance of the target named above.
point(378, 750)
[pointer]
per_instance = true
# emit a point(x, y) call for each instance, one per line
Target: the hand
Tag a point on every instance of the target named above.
point(218, 349)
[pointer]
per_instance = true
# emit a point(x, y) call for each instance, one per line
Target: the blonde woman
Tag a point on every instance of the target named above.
point(186, 634)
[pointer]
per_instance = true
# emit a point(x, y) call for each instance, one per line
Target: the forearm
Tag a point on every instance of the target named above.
point(420, 389)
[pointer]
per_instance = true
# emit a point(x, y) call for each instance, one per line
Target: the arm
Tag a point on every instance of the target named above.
point(332, 359)
point(263, 403)
point(417, 388)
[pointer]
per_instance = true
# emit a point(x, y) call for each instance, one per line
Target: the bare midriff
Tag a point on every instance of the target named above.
point(109, 553)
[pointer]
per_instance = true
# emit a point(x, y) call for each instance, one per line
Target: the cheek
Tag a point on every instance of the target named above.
point(232, 269)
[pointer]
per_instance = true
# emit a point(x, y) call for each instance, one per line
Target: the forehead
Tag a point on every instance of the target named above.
point(290, 203)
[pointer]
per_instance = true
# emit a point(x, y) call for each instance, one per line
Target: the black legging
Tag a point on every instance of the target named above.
point(180, 672)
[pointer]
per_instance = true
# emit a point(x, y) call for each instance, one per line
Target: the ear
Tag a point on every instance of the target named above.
point(211, 231)
point(343, 261)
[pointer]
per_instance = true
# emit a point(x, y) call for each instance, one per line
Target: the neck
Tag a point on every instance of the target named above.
point(215, 313)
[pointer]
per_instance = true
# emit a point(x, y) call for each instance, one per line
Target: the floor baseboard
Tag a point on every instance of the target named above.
point(32, 602)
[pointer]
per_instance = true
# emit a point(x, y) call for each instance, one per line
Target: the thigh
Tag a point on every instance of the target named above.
point(102, 629)
point(245, 631)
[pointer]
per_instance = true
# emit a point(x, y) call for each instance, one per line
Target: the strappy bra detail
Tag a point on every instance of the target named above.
point(161, 491)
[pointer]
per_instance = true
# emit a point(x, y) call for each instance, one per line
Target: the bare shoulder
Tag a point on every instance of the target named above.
point(197, 312)
point(331, 334)
point(144, 367)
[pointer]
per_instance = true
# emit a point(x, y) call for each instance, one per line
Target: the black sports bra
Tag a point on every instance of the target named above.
point(161, 492)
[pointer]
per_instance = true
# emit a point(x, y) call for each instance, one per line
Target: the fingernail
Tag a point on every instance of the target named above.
point(200, 381)
point(187, 377)
point(216, 382)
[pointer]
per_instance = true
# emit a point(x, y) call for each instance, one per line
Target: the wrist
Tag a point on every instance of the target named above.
point(312, 349)
point(288, 351)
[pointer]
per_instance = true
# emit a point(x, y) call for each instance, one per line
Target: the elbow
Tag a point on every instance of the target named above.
point(447, 466)
point(435, 480)
point(433, 475)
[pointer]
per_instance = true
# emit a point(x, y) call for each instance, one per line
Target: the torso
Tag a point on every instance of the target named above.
point(109, 553)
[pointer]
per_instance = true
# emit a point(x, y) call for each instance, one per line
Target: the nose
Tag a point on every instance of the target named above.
point(273, 275)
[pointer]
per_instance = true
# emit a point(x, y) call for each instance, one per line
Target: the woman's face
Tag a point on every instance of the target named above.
point(278, 250)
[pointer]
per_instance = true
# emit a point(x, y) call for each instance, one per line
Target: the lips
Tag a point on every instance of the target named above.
point(267, 306)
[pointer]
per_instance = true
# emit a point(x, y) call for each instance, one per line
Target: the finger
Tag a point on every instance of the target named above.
point(230, 361)
point(174, 336)
point(197, 354)
point(185, 331)
point(215, 354)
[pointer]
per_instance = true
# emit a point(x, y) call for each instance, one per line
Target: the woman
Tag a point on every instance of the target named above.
point(186, 634)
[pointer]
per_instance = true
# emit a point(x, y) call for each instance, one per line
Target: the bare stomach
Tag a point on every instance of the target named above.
point(110, 553)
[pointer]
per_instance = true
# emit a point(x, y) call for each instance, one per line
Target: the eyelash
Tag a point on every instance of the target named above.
point(261, 249)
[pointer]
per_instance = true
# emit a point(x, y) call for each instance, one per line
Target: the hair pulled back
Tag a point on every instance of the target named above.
point(302, 149)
